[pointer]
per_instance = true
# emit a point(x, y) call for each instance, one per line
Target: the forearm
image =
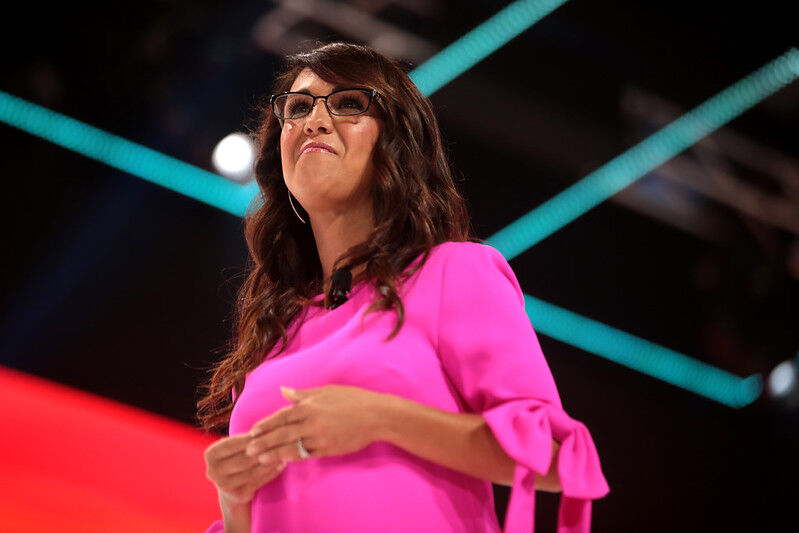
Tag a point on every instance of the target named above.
point(460, 441)
point(237, 517)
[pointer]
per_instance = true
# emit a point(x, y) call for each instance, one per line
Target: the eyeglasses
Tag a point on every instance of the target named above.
point(344, 102)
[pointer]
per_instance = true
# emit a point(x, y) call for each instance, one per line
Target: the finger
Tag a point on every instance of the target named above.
point(271, 474)
point(249, 489)
point(274, 439)
point(256, 474)
point(236, 463)
point(227, 446)
point(272, 421)
point(291, 452)
point(258, 478)
point(238, 480)
point(289, 414)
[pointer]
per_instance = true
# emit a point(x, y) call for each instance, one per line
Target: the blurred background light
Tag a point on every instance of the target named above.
point(782, 379)
point(123, 154)
point(125, 290)
point(480, 42)
point(641, 355)
point(233, 157)
point(644, 157)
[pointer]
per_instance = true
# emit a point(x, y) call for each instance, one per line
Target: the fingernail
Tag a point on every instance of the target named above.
point(264, 458)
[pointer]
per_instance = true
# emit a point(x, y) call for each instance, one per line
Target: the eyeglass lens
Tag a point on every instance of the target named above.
point(348, 102)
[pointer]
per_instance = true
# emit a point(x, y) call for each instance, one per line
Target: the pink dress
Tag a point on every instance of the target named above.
point(466, 346)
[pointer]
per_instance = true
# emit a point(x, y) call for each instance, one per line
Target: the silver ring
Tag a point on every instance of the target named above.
point(303, 452)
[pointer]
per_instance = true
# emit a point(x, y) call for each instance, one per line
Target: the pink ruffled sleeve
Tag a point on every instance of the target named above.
point(491, 354)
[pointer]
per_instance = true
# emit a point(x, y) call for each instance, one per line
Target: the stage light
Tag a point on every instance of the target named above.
point(644, 157)
point(480, 42)
point(642, 355)
point(519, 236)
point(782, 379)
point(233, 157)
point(125, 155)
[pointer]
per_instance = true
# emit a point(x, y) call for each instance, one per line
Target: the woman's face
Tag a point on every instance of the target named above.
point(322, 181)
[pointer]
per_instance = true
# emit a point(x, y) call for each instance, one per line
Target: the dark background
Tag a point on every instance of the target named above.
point(125, 289)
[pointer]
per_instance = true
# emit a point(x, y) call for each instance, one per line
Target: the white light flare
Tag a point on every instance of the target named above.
point(233, 157)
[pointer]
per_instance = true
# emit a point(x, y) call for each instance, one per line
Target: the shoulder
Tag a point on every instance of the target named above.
point(468, 256)
point(472, 262)
point(472, 267)
point(451, 264)
point(448, 250)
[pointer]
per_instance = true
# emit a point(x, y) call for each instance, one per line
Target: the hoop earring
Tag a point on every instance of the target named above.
point(292, 206)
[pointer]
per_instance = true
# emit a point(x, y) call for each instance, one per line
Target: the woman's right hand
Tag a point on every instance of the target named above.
point(237, 475)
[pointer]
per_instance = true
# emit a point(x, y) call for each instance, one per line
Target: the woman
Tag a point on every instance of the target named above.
point(423, 387)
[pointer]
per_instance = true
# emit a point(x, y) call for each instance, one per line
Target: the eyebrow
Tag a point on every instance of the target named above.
point(336, 88)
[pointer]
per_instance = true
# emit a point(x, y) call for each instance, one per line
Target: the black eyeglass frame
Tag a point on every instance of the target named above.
point(372, 95)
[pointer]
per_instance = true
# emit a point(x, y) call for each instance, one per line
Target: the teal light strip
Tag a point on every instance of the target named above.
point(125, 155)
point(479, 43)
point(646, 156)
point(558, 323)
point(215, 190)
point(641, 355)
point(595, 337)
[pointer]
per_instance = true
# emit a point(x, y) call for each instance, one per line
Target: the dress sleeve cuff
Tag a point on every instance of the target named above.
point(525, 429)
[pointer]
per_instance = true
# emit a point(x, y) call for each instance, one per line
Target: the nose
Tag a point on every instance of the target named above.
point(318, 118)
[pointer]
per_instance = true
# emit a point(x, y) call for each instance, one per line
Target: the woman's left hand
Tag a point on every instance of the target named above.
point(330, 420)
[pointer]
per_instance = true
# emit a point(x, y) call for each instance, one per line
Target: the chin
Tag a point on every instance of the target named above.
point(319, 177)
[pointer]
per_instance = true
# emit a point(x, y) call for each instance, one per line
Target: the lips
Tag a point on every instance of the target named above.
point(318, 147)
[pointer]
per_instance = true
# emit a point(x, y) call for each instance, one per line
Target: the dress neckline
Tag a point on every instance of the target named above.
point(353, 291)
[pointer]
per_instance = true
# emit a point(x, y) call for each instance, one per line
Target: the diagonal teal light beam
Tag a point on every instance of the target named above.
point(126, 155)
point(479, 43)
point(646, 156)
point(641, 355)
point(215, 190)
point(610, 343)
point(605, 341)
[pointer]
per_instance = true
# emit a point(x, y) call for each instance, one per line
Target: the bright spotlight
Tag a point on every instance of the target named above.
point(233, 157)
point(782, 380)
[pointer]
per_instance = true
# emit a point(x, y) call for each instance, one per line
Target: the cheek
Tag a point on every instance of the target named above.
point(286, 144)
point(365, 144)
point(285, 137)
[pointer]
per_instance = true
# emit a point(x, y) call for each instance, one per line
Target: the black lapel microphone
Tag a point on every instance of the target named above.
point(340, 287)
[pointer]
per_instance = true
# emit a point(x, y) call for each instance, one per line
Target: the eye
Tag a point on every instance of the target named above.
point(351, 102)
point(296, 107)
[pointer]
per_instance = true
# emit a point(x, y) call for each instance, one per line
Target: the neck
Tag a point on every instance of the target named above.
point(335, 233)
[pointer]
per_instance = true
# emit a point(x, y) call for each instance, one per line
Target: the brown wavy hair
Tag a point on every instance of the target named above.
point(416, 206)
